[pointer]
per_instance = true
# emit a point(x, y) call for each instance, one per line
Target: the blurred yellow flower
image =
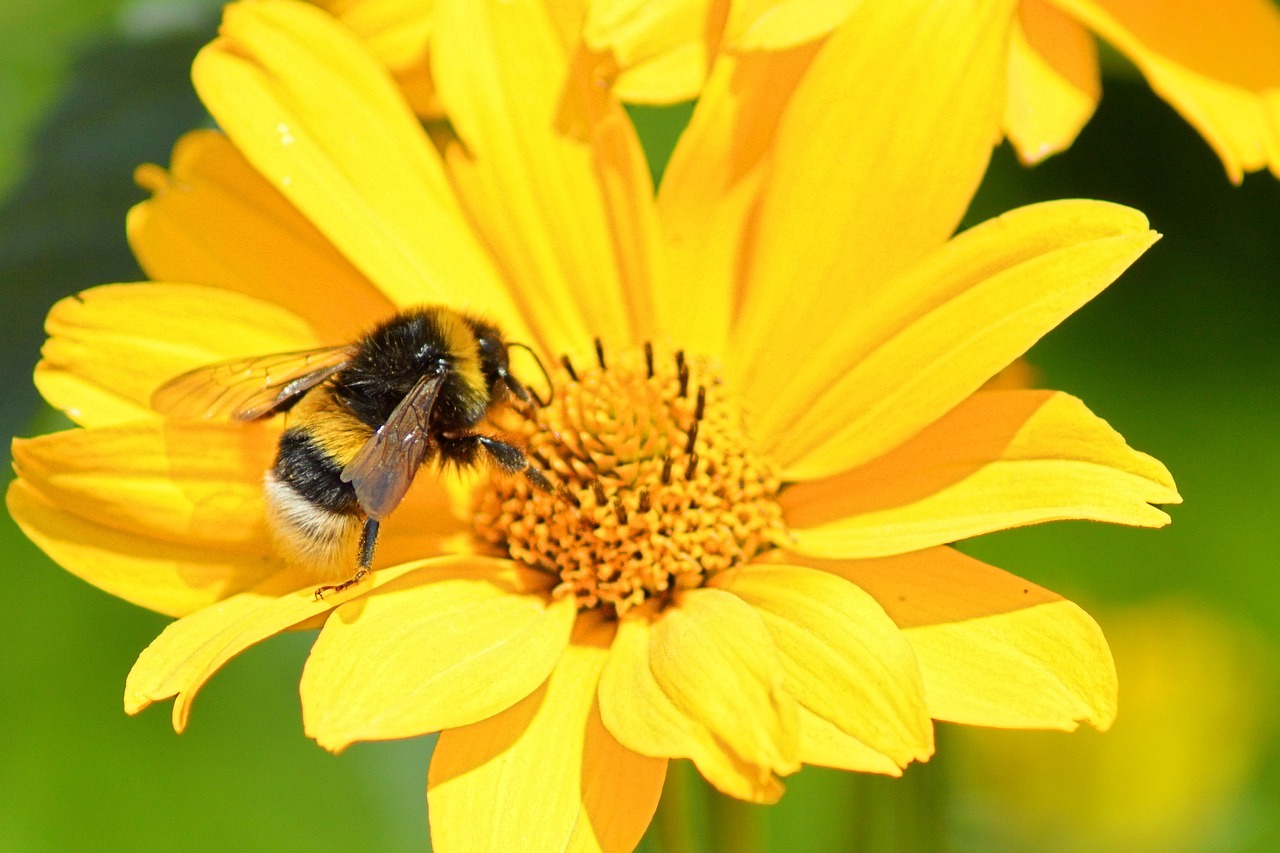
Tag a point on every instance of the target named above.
point(1217, 63)
point(1198, 710)
point(768, 489)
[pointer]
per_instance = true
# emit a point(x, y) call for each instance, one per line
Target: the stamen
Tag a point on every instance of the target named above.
point(622, 525)
point(692, 437)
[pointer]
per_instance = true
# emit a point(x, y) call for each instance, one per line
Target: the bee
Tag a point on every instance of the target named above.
point(363, 418)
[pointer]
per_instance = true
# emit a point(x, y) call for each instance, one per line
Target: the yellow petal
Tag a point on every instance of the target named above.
point(396, 31)
point(704, 682)
point(660, 47)
point(710, 193)
point(1217, 63)
point(544, 774)
point(442, 647)
point(110, 347)
point(824, 745)
point(779, 24)
point(669, 78)
point(1053, 81)
point(944, 327)
point(641, 715)
point(877, 156)
point(197, 483)
point(213, 220)
point(325, 125)
point(191, 650)
point(169, 577)
point(845, 660)
point(170, 515)
point(994, 649)
point(1000, 459)
point(550, 169)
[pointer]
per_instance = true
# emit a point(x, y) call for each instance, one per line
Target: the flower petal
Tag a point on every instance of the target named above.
point(779, 24)
point(170, 515)
point(544, 774)
point(550, 169)
point(845, 660)
point(994, 649)
point(184, 483)
point(1054, 82)
point(170, 578)
point(213, 220)
point(877, 156)
point(167, 517)
point(1000, 459)
point(396, 31)
point(946, 326)
point(110, 347)
point(288, 84)
point(441, 647)
point(824, 745)
point(191, 650)
point(704, 681)
point(710, 192)
point(1218, 64)
point(660, 46)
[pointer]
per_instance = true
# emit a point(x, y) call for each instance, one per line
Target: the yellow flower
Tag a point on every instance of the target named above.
point(1217, 63)
point(747, 565)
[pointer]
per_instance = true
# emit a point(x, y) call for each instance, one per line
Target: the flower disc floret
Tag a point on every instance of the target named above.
point(657, 485)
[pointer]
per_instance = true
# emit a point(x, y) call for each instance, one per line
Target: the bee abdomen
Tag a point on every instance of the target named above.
point(314, 515)
point(305, 466)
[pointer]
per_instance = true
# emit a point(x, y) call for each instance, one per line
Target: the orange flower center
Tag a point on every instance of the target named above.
point(658, 486)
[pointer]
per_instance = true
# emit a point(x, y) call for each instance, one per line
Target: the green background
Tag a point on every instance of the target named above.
point(1179, 355)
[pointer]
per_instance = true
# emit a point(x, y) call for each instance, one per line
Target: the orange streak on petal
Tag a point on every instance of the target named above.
point(1054, 82)
point(1218, 64)
point(544, 774)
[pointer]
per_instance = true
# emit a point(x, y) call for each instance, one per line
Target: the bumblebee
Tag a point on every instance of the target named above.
point(363, 418)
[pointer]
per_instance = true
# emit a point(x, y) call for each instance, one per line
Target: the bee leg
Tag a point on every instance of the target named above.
point(368, 541)
point(511, 459)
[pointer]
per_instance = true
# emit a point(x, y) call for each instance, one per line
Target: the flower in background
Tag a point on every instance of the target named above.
point(1197, 713)
point(761, 463)
point(1217, 63)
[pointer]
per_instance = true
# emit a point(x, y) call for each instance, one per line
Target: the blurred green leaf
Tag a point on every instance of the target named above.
point(62, 227)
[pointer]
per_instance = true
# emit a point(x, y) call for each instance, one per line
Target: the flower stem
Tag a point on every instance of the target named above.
point(679, 825)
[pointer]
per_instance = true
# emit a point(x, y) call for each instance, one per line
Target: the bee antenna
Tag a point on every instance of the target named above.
point(551, 389)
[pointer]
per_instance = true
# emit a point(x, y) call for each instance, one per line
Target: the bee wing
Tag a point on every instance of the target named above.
point(248, 388)
point(383, 469)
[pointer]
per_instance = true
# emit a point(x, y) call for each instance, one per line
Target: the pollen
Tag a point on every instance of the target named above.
point(657, 487)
